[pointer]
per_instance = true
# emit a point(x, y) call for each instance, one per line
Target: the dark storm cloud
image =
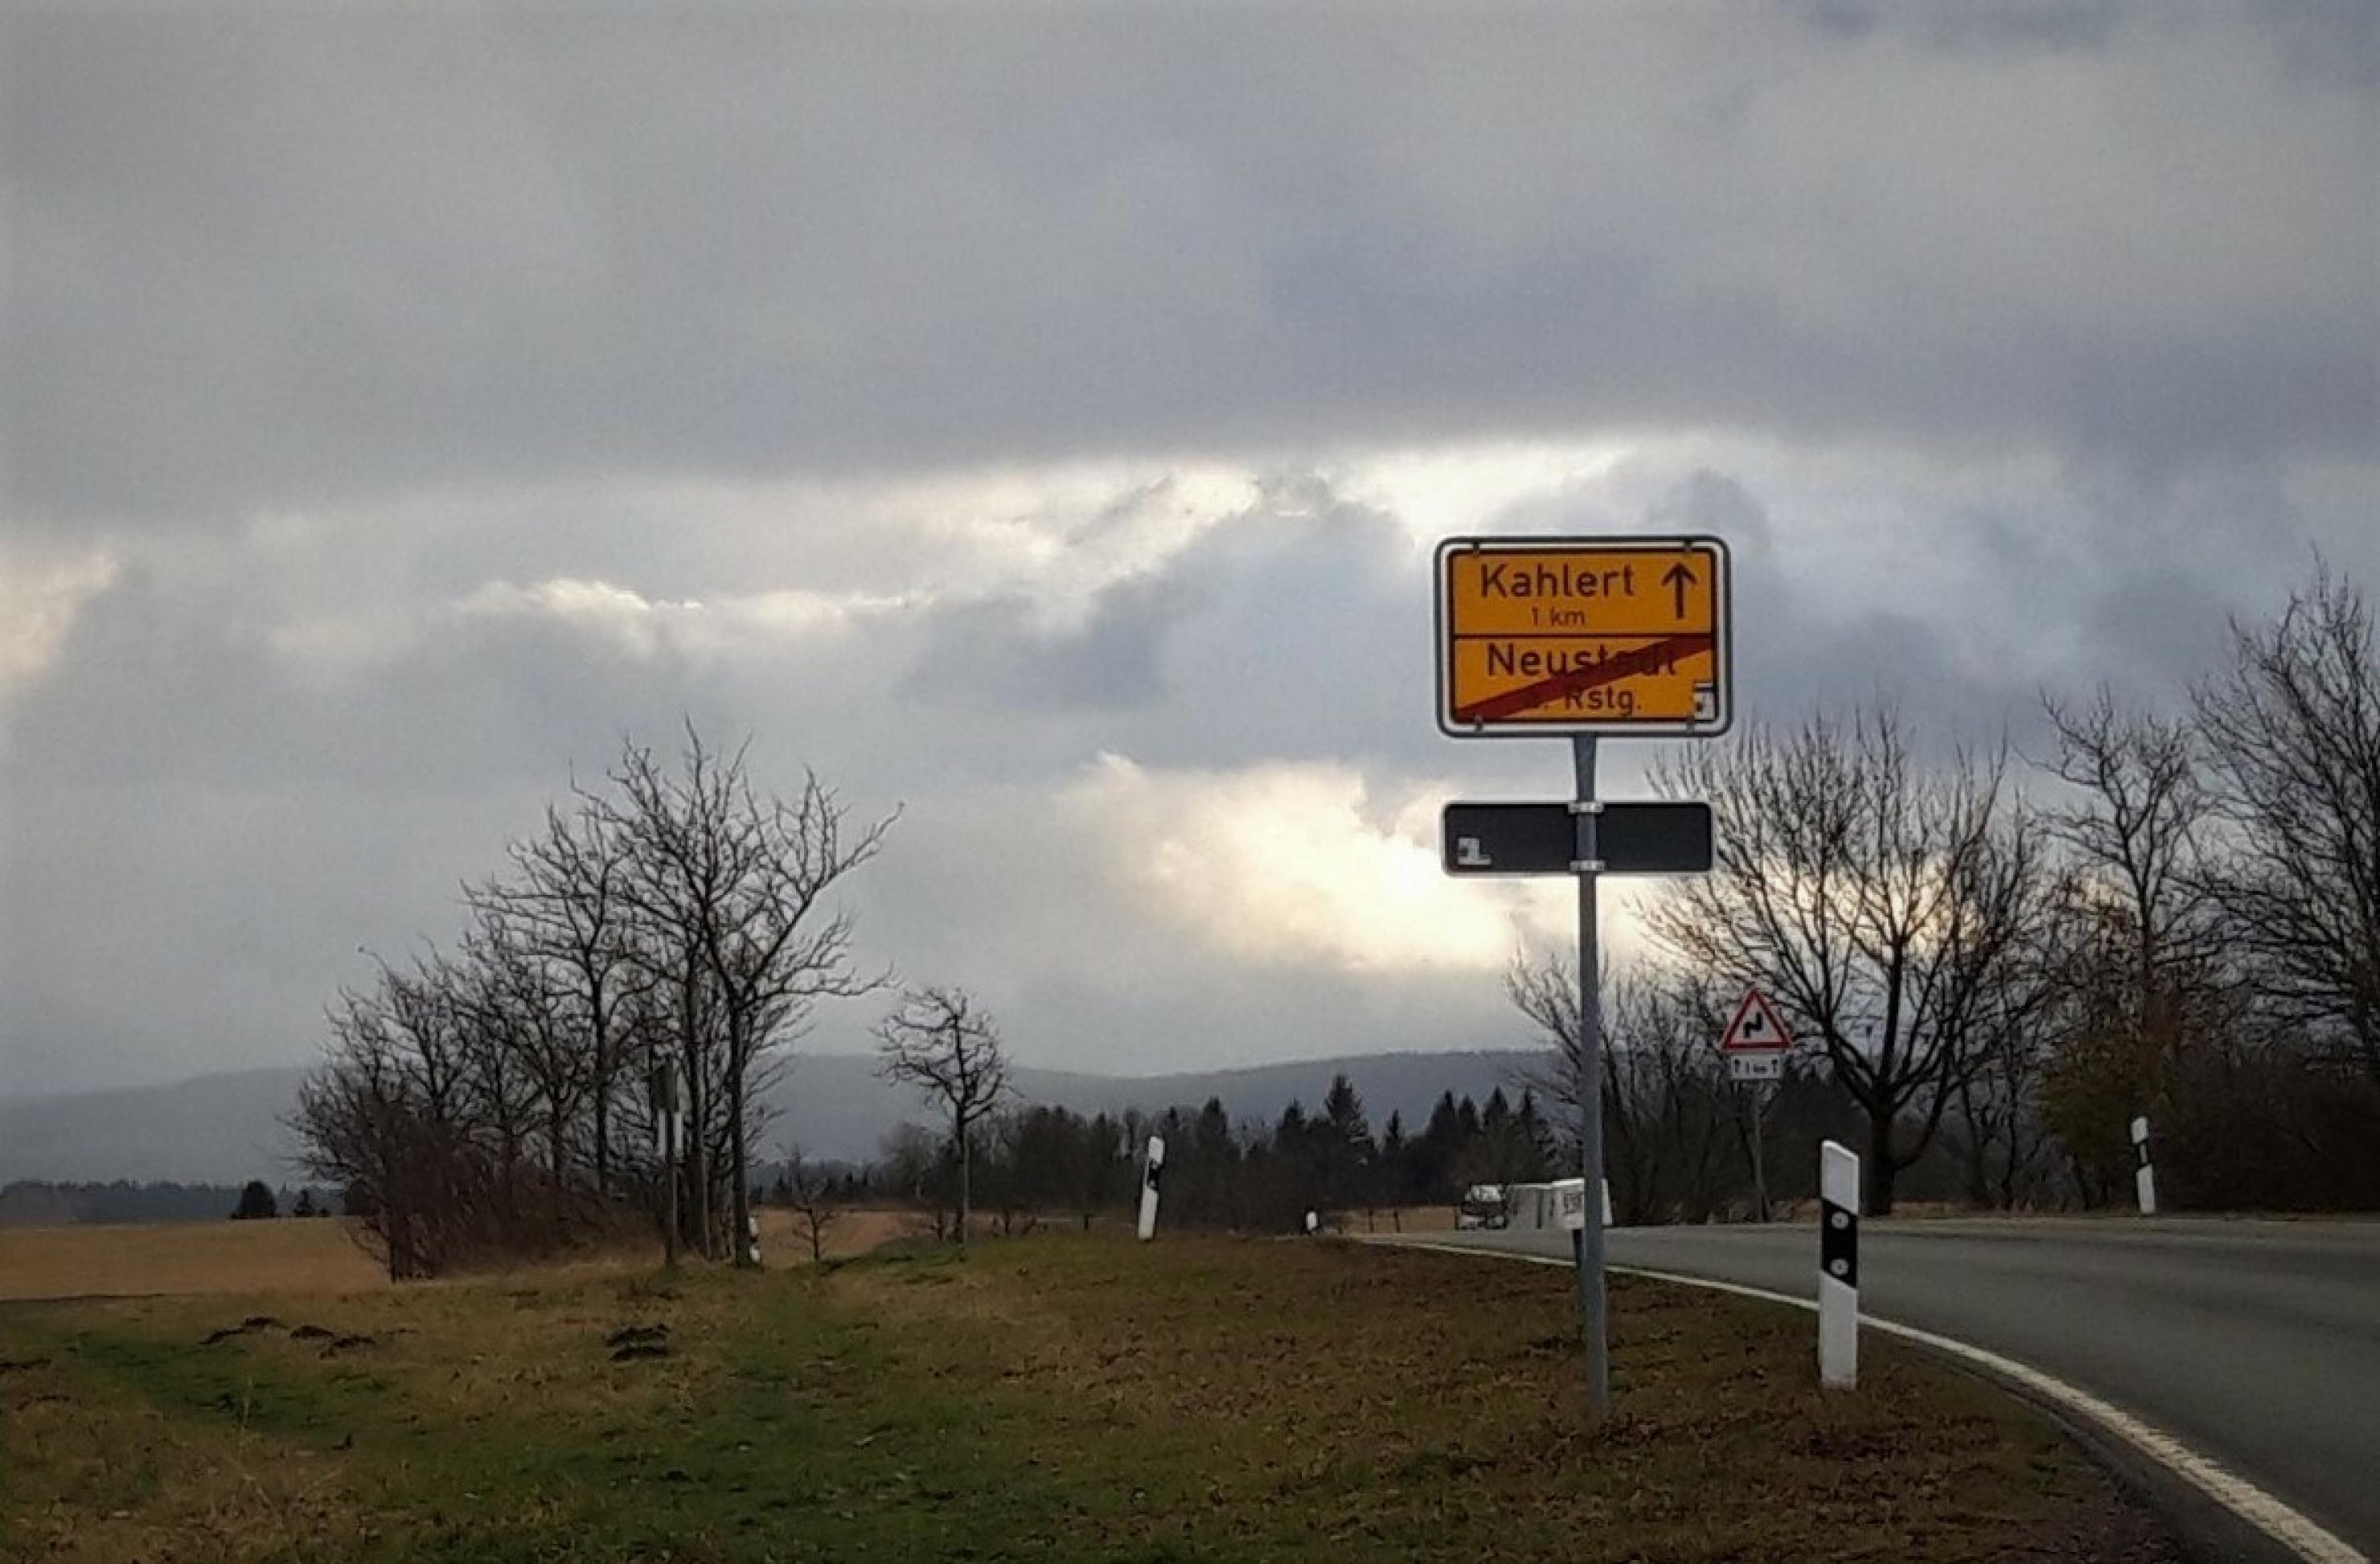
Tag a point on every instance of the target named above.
point(992, 652)
point(268, 258)
point(155, 688)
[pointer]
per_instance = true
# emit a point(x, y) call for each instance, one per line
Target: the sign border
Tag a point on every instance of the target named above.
point(1756, 999)
point(1602, 809)
point(1454, 804)
point(1723, 620)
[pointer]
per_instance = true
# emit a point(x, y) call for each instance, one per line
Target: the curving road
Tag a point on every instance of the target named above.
point(2256, 1342)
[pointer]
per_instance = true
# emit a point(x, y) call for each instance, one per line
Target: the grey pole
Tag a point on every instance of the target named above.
point(1759, 1162)
point(1590, 1092)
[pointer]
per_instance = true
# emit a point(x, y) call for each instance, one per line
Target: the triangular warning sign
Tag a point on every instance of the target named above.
point(1757, 1029)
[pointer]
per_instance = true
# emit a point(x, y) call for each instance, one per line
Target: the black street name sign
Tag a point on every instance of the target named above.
point(1544, 838)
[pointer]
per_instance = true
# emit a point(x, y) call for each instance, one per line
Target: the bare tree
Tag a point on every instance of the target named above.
point(914, 1162)
point(390, 1120)
point(728, 889)
point(565, 907)
point(2004, 973)
point(510, 997)
point(680, 914)
point(1842, 886)
point(809, 1190)
point(1668, 1123)
point(942, 1043)
point(2135, 819)
point(2293, 730)
point(503, 1086)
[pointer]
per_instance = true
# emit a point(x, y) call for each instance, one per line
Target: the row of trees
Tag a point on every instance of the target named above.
point(1994, 963)
point(1033, 1163)
point(500, 1095)
point(257, 1202)
point(1999, 963)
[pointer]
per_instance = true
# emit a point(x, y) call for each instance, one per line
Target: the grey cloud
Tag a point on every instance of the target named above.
point(156, 686)
point(335, 319)
point(990, 651)
point(199, 829)
point(264, 260)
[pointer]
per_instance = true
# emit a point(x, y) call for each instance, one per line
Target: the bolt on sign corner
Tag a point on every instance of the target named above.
point(1612, 634)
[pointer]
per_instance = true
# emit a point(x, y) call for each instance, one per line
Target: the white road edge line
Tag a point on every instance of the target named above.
point(2302, 1534)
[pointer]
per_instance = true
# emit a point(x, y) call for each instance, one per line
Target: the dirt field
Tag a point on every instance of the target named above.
point(291, 1256)
point(783, 1241)
point(1064, 1396)
point(297, 1256)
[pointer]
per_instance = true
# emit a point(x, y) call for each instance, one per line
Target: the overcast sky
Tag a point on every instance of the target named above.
point(1041, 420)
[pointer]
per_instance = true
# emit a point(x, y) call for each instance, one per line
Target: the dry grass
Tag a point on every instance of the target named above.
point(1062, 1395)
point(784, 1241)
point(292, 1255)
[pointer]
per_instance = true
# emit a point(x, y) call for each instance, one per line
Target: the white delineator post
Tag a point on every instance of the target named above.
point(1150, 1166)
point(2144, 1176)
point(1838, 1196)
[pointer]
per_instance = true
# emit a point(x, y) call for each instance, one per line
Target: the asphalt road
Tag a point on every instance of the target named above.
point(2256, 1342)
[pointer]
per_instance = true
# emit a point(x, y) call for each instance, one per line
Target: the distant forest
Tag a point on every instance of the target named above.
point(34, 1203)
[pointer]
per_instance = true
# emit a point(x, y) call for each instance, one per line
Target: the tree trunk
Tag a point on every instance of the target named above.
point(698, 1162)
point(697, 1167)
point(739, 1199)
point(604, 1066)
point(556, 1140)
point(1880, 1169)
point(966, 1176)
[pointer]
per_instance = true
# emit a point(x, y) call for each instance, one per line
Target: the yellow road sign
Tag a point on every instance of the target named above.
point(1583, 636)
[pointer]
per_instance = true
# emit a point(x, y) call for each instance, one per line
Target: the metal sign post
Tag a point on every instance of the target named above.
point(1590, 1090)
point(1755, 1044)
point(1576, 638)
point(1759, 1159)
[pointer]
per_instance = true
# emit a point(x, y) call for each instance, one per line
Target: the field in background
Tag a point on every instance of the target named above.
point(1059, 1395)
point(294, 1254)
point(297, 1256)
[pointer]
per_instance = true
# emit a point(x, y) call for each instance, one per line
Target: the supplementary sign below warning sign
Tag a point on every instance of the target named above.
point(1581, 634)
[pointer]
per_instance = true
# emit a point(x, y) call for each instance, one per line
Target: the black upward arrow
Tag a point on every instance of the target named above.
point(1678, 578)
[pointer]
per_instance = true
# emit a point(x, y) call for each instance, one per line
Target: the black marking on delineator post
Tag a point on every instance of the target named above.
point(2143, 1168)
point(1839, 1243)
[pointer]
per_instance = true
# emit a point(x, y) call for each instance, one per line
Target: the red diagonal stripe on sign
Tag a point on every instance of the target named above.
point(1610, 670)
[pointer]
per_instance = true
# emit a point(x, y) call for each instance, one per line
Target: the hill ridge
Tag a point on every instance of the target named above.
point(225, 1127)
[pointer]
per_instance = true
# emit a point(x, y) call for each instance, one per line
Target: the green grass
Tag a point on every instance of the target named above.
point(1061, 1397)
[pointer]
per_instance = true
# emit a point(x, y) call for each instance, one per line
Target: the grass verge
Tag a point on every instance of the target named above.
point(1060, 1397)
